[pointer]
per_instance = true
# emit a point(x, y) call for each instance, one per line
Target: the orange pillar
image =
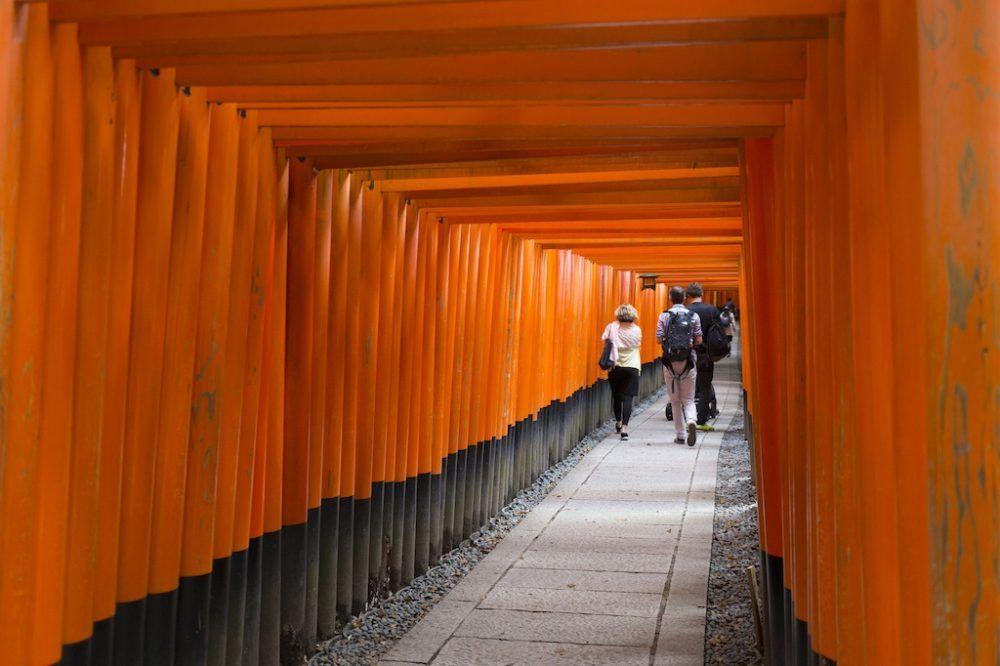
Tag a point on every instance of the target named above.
point(154, 223)
point(298, 386)
point(28, 256)
point(208, 394)
point(274, 403)
point(94, 294)
point(128, 128)
point(951, 54)
point(59, 357)
point(334, 411)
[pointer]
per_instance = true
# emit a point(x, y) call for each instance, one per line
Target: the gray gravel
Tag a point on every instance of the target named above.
point(370, 635)
point(729, 626)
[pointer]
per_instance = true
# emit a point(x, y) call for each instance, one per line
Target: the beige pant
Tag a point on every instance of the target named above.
point(680, 388)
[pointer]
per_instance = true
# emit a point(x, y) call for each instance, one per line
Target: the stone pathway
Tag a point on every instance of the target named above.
point(610, 568)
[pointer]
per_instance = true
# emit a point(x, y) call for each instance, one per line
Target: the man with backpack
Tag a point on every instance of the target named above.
point(714, 347)
point(679, 330)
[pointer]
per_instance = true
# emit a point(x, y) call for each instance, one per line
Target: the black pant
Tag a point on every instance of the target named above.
point(704, 394)
point(622, 404)
point(624, 384)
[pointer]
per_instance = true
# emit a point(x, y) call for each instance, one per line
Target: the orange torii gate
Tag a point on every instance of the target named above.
point(297, 293)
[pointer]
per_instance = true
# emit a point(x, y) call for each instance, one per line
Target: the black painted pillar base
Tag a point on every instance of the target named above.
point(449, 537)
point(312, 578)
point(359, 581)
point(294, 543)
point(218, 611)
point(192, 620)
point(345, 558)
point(102, 642)
point(422, 535)
point(436, 518)
point(461, 488)
point(130, 631)
point(236, 603)
point(772, 570)
point(398, 529)
point(252, 608)
point(76, 654)
point(326, 600)
point(270, 599)
point(376, 544)
point(162, 619)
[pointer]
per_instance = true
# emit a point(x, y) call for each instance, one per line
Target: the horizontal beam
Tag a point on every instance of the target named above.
point(574, 213)
point(696, 156)
point(98, 9)
point(251, 96)
point(695, 148)
point(337, 137)
point(148, 20)
point(545, 115)
point(593, 187)
point(446, 41)
point(375, 162)
point(731, 250)
point(750, 61)
point(414, 185)
point(592, 229)
point(638, 241)
point(671, 269)
point(444, 206)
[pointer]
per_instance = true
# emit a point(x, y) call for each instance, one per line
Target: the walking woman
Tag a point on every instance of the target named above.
point(626, 338)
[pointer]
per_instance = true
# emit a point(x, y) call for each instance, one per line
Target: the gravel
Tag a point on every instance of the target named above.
point(368, 636)
point(729, 625)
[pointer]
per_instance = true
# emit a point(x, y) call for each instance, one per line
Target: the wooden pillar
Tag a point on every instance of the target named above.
point(951, 53)
point(153, 231)
point(93, 324)
point(298, 385)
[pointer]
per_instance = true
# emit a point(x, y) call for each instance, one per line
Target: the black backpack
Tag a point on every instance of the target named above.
point(716, 342)
point(678, 337)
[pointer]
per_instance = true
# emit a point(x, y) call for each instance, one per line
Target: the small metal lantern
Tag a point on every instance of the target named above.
point(648, 280)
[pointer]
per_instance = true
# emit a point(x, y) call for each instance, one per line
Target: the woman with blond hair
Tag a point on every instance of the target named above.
point(626, 338)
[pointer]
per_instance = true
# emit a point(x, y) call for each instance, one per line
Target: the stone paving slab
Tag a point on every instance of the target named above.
point(633, 511)
point(422, 642)
point(636, 604)
point(659, 480)
point(611, 568)
point(580, 628)
point(602, 544)
point(598, 581)
point(587, 561)
point(487, 652)
point(665, 494)
point(614, 529)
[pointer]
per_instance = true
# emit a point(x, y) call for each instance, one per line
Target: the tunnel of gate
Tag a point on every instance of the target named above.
point(257, 219)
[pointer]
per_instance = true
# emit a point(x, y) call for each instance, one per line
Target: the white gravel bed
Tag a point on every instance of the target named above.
point(729, 625)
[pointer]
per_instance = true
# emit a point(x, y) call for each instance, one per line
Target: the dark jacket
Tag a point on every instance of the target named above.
point(709, 315)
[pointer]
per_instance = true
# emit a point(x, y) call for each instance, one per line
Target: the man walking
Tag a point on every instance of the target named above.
point(704, 391)
point(679, 330)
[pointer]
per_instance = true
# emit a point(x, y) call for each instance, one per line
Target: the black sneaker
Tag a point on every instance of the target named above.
point(692, 433)
point(678, 440)
point(624, 436)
